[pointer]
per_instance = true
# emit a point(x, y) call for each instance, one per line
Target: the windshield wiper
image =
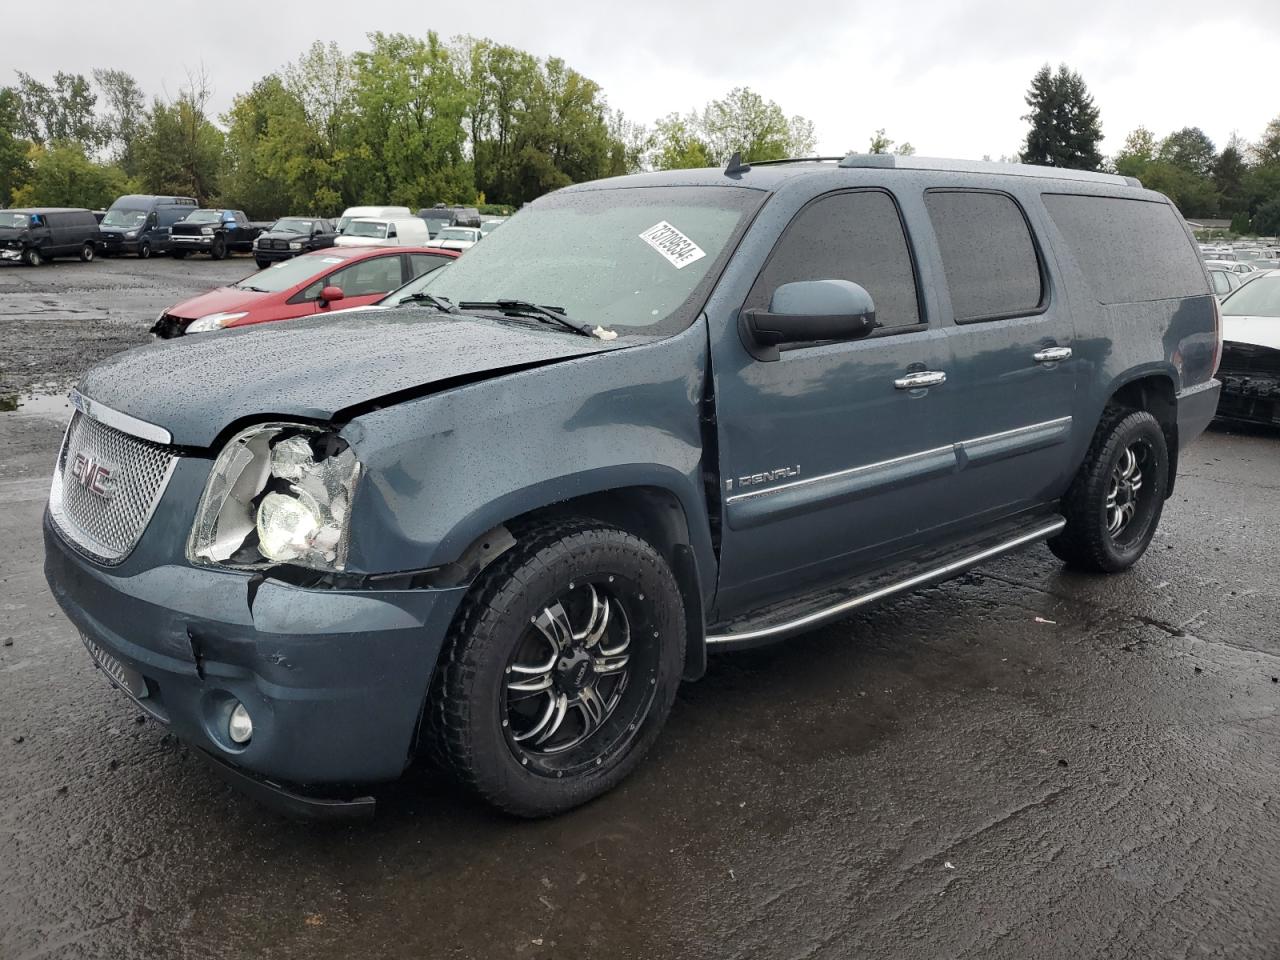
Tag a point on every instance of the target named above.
point(440, 303)
point(246, 286)
point(554, 314)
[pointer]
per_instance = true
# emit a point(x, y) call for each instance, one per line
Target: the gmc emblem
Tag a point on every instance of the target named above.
point(93, 476)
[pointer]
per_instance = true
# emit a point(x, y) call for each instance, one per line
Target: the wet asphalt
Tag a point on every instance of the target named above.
point(1021, 763)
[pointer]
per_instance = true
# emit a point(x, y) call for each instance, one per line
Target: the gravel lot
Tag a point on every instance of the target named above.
point(1023, 763)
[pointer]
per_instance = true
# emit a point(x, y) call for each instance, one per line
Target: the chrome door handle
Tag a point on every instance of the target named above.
point(915, 381)
point(1052, 355)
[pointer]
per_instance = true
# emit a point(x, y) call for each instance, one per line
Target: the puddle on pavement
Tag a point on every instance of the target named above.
point(52, 404)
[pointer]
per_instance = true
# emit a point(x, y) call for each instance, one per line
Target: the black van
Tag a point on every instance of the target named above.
point(140, 224)
point(36, 234)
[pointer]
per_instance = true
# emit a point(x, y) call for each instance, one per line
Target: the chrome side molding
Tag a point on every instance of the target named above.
point(119, 421)
point(818, 617)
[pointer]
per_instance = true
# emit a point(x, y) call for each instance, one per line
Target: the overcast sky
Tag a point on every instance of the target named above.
point(947, 75)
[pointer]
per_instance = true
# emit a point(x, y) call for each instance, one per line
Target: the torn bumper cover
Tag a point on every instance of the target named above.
point(334, 680)
point(1250, 376)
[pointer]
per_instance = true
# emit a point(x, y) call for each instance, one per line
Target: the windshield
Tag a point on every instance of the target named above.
point(124, 218)
point(639, 257)
point(16, 221)
point(204, 216)
point(456, 233)
point(1261, 298)
point(365, 228)
point(291, 225)
point(288, 273)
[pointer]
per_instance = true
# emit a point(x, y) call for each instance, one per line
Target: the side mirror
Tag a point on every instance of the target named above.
point(809, 311)
point(331, 294)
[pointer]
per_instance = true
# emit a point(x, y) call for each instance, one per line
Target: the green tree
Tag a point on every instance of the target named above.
point(1065, 128)
point(14, 149)
point(63, 111)
point(1267, 220)
point(271, 168)
point(677, 144)
point(124, 121)
point(1139, 150)
point(882, 144)
point(1229, 170)
point(746, 122)
point(1189, 149)
point(182, 152)
point(61, 175)
point(1266, 152)
point(1194, 196)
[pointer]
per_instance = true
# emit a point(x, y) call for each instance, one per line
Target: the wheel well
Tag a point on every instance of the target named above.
point(1155, 394)
point(656, 516)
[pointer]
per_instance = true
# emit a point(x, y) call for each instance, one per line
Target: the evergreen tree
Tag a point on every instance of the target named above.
point(1065, 129)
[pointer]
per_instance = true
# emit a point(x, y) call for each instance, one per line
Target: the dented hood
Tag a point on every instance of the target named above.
point(315, 368)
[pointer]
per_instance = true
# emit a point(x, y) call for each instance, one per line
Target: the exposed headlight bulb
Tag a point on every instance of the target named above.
point(287, 525)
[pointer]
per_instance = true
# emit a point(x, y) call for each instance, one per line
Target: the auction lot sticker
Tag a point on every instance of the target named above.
point(672, 244)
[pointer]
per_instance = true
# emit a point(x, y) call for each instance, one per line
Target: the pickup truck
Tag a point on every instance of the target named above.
point(656, 416)
point(215, 232)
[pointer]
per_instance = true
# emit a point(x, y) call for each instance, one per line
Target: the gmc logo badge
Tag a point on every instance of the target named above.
point(93, 476)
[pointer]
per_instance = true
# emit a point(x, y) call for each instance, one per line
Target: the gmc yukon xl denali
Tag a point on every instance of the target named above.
point(652, 417)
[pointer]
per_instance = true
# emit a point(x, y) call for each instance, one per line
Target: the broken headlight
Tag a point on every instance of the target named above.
point(278, 493)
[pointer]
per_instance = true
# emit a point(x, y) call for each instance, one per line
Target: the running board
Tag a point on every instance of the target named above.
point(760, 635)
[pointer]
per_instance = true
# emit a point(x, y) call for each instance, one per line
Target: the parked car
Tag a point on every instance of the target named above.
point(141, 224)
point(383, 232)
point(1250, 370)
point(457, 238)
point(1239, 267)
point(36, 234)
point(1224, 282)
point(352, 213)
point(503, 524)
point(488, 226)
point(305, 285)
point(442, 215)
point(215, 232)
point(290, 236)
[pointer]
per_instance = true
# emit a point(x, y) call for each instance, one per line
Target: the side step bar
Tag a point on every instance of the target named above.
point(750, 638)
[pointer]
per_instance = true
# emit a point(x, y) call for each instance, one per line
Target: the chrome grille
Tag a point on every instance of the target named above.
point(103, 516)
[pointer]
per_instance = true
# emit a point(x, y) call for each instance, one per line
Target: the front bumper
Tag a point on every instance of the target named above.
point(183, 241)
point(334, 680)
point(1250, 383)
point(116, 243)
point(276, 254)
point(10, 253)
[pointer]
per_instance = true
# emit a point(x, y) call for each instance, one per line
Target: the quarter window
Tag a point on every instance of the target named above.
point(854, 236)
point(987, 254)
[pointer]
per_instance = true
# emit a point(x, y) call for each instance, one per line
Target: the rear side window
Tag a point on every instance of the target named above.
point(1130, 251)
point(847, 236)
point(987, 253)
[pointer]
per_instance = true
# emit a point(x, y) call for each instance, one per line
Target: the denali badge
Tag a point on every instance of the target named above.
point(93, 476)
point(767, 476)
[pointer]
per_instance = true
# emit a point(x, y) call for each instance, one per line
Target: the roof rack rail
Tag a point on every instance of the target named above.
point(770, 163)
point(894, 161)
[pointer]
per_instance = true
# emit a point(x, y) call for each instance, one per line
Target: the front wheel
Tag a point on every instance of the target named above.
point(219, 249)
point(31, 257)
point(560, 668)
point(1115, 501)
point(87, 253)
point(262, 264)
point(144, 252)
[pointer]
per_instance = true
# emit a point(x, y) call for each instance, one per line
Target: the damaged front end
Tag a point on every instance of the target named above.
point(1250, 375)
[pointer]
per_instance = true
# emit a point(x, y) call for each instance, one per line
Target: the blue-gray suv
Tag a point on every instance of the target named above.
point(499, 519)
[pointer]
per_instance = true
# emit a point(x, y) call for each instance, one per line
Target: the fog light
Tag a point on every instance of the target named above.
point(240, 726)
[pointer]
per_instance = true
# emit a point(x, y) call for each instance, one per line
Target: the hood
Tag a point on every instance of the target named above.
point(314, 368)
point(282, 235)
point(1259, 331)
point(221, 300)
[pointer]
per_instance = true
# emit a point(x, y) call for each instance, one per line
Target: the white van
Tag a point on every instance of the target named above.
point(385, 232)
point(351, 213)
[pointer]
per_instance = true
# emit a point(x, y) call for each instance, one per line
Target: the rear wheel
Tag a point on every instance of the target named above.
point(560, 668)
point(87, 252)
point(31, 257)
point(1114, 504)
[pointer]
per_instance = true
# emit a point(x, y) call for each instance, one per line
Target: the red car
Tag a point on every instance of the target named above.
point(308, 284)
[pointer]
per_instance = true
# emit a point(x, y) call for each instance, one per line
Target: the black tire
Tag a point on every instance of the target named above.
point(178, 254)
point(262, 264)
point(1100, 497)
point(31, 257)
point(88, 252)
point(474, 720)
point(144, 251)
point(219, 249)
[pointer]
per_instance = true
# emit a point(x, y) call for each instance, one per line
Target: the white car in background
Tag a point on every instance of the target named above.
point(407, 231)
point(457, 238)
point(382, 213)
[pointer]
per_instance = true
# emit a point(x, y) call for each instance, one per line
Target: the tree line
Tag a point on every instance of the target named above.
point(421, 120)
point(1241, 182)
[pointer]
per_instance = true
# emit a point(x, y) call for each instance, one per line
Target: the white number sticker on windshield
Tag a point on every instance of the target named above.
point(679, 250)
